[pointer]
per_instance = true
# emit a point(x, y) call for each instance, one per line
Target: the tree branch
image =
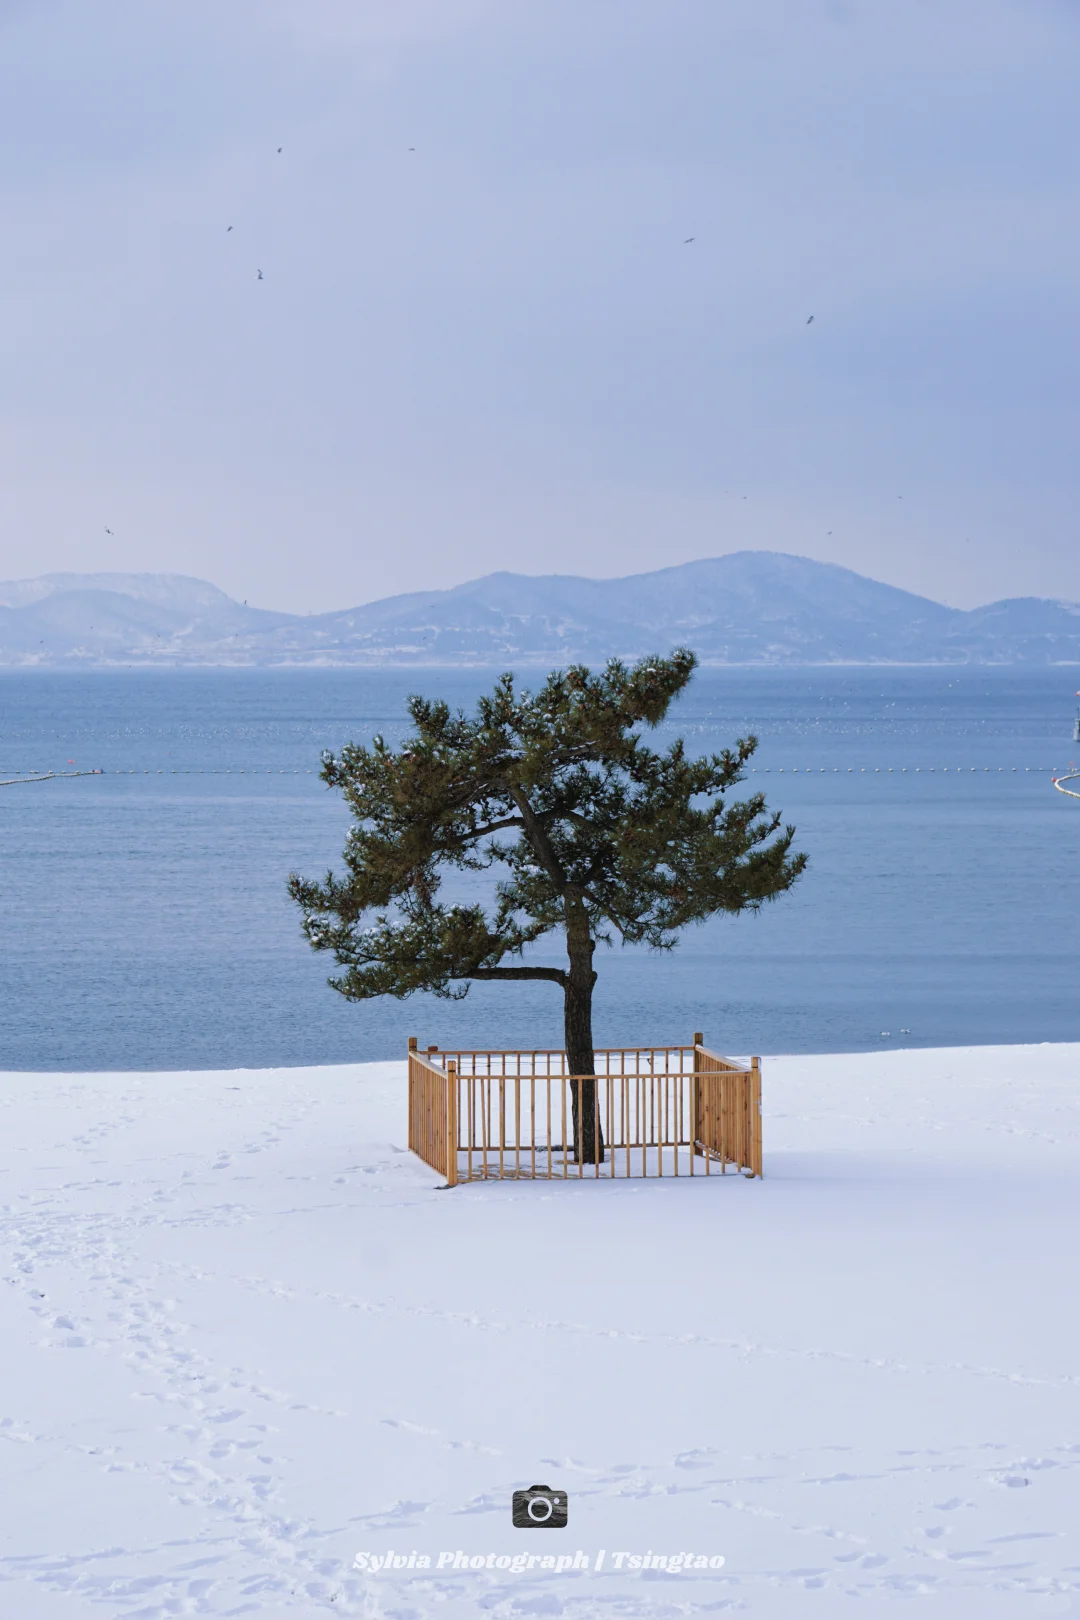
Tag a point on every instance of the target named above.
point(554, 975)
point(538, 838)
point(492, 827)
point(578, 819)
point(461, 841)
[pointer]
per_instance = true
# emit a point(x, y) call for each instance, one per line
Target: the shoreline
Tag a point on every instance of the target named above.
point(842, 1054)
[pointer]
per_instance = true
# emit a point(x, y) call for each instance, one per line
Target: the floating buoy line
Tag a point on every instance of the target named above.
point(45, 776)
point(903, 770)
point(16, 778)
point(174, 770)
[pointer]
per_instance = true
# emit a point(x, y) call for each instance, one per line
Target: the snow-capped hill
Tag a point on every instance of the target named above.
point(179, 591)
point(92, 619)
point(751, 607)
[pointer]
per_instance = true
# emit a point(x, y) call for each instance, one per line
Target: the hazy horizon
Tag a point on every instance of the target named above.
point(482, 339)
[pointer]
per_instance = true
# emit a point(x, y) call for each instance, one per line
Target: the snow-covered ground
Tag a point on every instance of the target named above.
point(245, 1337)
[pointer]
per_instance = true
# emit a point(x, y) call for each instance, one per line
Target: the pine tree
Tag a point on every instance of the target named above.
point(590, 833)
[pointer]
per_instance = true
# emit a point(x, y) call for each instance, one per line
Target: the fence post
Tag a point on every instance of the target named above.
point(696, 1131)
point(412, 1095)
point(451, 1123)
point(755, 1116)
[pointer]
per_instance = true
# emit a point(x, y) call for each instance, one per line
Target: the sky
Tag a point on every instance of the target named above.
point(482, 339)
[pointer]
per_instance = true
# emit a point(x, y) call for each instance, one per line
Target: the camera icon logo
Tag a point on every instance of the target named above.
point(540, 1508)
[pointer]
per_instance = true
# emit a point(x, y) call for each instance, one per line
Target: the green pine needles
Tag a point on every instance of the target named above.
point(590, 833)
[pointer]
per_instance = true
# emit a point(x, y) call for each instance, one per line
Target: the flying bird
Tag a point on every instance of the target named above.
point(108, 531)
point(259, 276)
point(281, 148)
point(809, 320)
point(412, 148)
point(689, 239)
point(228, 228)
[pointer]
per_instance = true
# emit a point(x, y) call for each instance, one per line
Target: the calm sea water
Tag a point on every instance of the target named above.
point(145, 922)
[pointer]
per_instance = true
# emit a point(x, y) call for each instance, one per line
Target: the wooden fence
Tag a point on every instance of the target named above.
point(658, 1110)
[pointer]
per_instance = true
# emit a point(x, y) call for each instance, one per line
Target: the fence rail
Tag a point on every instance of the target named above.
point(477, 1115)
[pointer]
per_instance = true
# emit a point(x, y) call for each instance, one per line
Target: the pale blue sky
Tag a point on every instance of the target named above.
point(498, 350)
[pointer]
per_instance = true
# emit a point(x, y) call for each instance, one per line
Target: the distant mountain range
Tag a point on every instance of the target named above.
point(752, 607)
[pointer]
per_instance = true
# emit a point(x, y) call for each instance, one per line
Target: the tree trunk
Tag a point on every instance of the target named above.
point(577, 1009)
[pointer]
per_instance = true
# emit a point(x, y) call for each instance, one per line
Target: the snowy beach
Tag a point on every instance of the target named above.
point(245, 1337)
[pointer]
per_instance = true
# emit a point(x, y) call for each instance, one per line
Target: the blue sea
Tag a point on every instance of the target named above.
point(146, 925)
